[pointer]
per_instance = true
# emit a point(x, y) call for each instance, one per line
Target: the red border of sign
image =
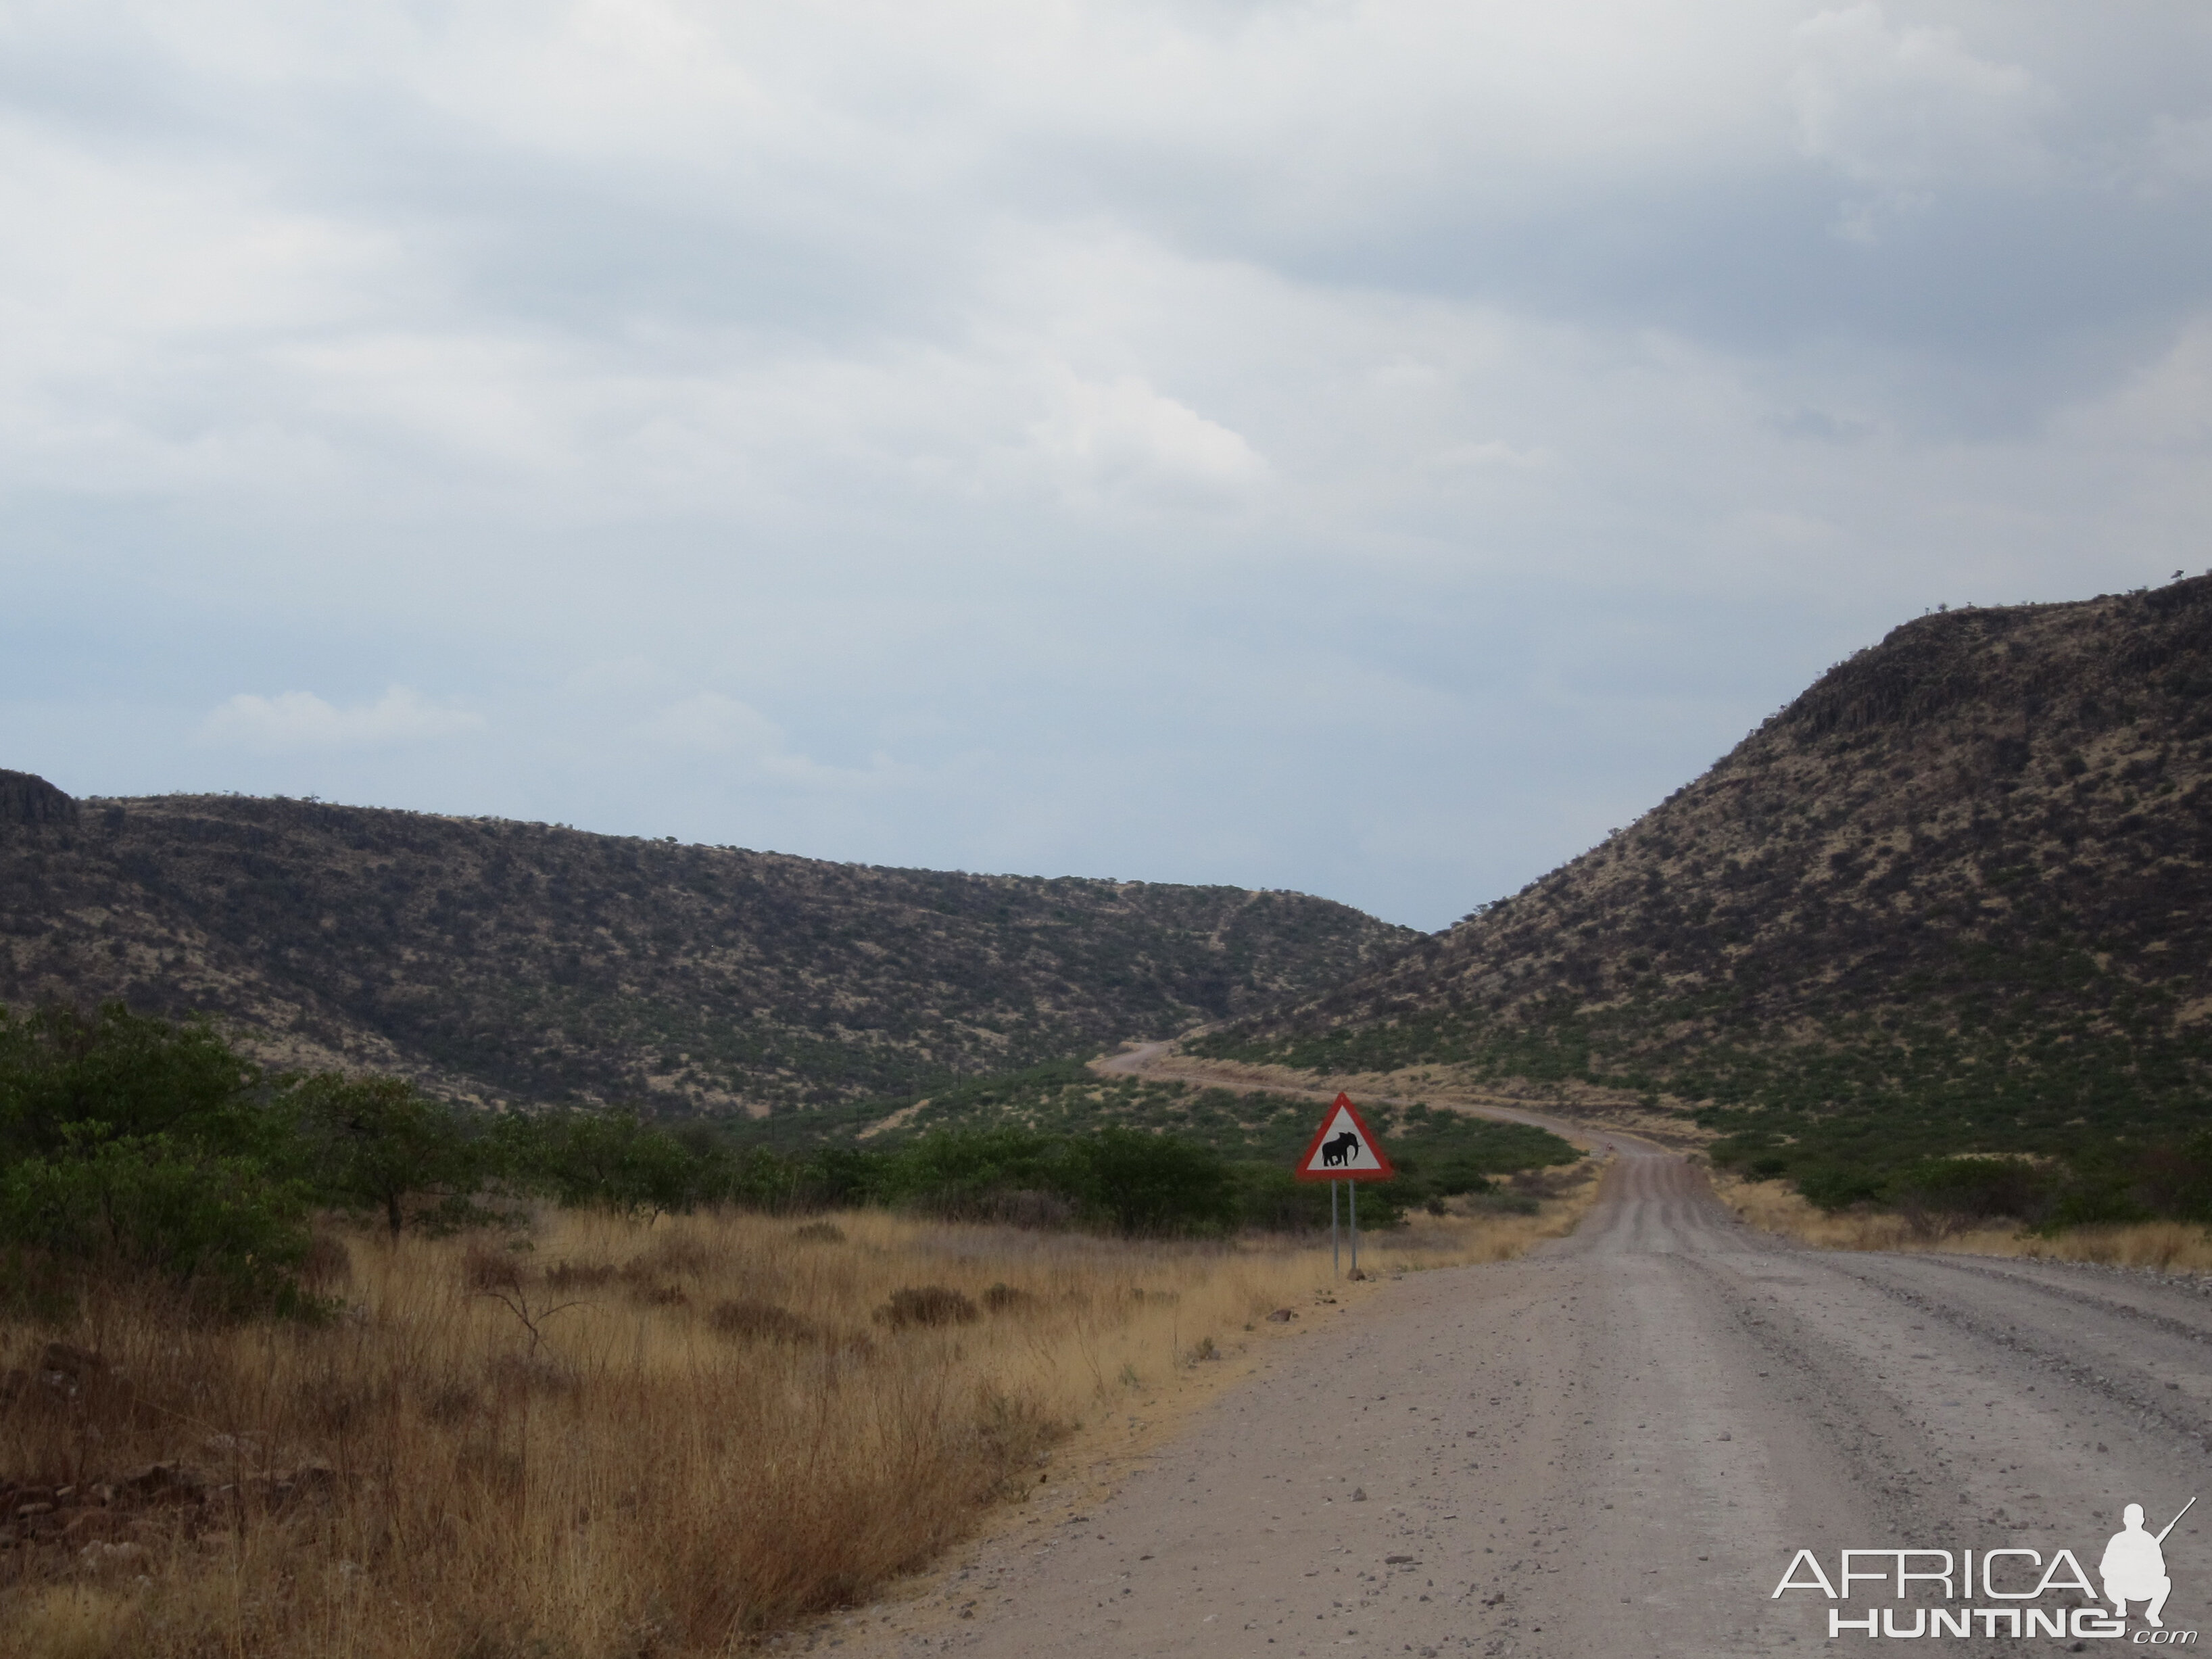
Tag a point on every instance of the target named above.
point(1304, 1172)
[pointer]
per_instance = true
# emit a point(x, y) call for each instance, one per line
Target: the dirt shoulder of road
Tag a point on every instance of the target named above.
point(1095, 1462)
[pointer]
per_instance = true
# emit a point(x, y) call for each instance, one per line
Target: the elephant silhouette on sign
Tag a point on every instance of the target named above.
point(1337, 1152)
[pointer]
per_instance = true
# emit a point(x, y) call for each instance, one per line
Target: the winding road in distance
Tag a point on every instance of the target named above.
point(1617, 1445)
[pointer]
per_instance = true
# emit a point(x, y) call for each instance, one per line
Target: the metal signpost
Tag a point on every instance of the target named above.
point(1344, 1149)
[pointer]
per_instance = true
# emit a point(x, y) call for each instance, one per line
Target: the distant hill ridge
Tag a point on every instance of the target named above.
point(1957, 895)
point(25, 798)
point(518, 961)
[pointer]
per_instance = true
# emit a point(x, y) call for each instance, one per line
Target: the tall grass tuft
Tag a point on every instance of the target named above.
point(2161, 1246)
point(629, 1439)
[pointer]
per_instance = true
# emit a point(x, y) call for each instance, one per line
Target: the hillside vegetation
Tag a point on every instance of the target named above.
point(1955, 898)
point(524, 963)
point(998, 1129)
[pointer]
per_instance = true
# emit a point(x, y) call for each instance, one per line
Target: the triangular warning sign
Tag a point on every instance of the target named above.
point(1344, 1148)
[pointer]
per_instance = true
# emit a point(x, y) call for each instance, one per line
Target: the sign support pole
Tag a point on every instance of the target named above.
point(1336, 1265)
point(1355, 1226)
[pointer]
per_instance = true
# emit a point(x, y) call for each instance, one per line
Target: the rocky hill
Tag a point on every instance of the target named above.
point(1958, 895)
point(519, 961)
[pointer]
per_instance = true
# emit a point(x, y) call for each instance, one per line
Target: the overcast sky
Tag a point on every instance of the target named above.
point(1368, 448)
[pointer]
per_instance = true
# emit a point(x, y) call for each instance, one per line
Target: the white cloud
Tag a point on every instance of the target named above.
point(1123, 438)
point(710, 723)
point(296, 720)
point(1909, 107)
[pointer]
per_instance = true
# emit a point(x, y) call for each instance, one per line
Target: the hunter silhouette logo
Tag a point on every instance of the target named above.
point(2020, 1582)
point(2134, 1567)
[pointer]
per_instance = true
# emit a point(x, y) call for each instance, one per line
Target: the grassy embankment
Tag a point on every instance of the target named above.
point(629, 1439)
point(1774, 1206)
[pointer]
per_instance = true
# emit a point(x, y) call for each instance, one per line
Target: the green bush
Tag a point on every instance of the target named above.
point(220, 1228)
point(136, 1145)
point(611, 1160)
point(1270, 1197)
point(1154, 1183)
point(1975, 1189)
point(1834, 1187)
point(135, 1076)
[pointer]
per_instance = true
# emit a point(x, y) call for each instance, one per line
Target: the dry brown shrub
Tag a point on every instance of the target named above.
point(527, 1373)
point(580, 1275)
point(1546, 1183)
point(817, 1232)
point(1004, 1298)
point(329, 1264)
point(749, 1318)
point(678, 1254)
point(486, 1267)
point(450, 1401)
point(1028, 1208)
point(927, 1304)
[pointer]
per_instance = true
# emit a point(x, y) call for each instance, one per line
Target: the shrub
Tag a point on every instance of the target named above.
point(135, 1077)
point(1833, 1187)
point(748, 1319)
point(1149, 1183)
point(580, 1275)
point(927, 1304)
point(1973, 1189)
point(220, 1228)
point(485, 1268)
point(607, 1160)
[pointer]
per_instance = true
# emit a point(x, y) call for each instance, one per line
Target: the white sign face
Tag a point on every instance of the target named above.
point(1343, 1150)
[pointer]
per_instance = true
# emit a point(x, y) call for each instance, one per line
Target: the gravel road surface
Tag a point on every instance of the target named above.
point(1617, 1445)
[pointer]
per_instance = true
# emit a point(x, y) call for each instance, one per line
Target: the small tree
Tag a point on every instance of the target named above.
point(379, 1141)
point(610, 1160)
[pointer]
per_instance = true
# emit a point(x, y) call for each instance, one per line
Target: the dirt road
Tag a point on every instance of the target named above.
point(1616, 1446)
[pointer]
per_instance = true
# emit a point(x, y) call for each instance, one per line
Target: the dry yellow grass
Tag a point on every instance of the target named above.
point(624, 1441)
point(2162, 1246)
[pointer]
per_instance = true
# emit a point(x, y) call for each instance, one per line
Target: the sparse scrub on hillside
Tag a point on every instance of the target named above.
point(1955, 899)
point(538, 966)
